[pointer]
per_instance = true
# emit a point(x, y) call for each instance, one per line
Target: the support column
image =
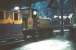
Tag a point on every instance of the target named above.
point(62, 21)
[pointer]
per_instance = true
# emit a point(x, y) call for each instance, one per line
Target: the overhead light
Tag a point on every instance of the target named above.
point(16, 8)
point(34, 12)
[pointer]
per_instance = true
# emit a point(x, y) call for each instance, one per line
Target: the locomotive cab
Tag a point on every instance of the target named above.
point(10, 27)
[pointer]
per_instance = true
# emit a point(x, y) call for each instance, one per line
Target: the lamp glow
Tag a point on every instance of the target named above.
point(34, 12)
point(16, 8)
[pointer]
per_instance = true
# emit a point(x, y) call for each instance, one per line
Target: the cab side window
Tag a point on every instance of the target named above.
point(15, 16)
point(1, 15)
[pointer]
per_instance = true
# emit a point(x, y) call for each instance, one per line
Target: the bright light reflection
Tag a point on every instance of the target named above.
point(55, 16)
point(70, 16)
point(47, 45)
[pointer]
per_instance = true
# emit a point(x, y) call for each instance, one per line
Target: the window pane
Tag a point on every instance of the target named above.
point(15, 16)
point(1, 15)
